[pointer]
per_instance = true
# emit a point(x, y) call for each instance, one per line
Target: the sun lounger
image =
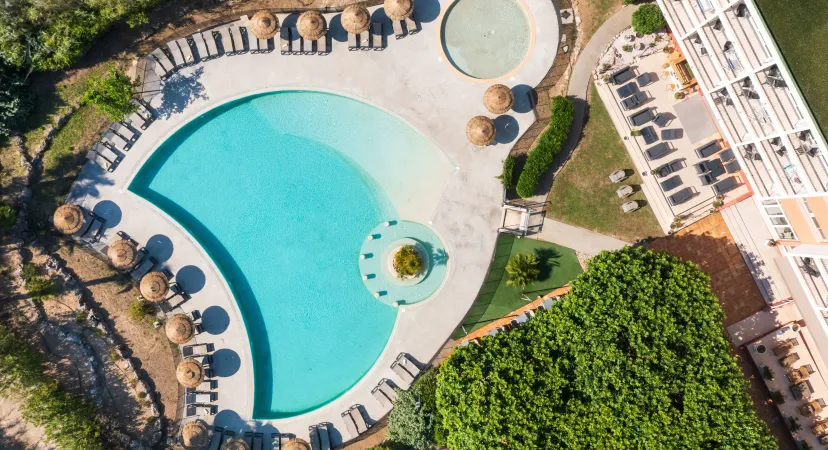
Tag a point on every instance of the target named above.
point(398, 29)
point(322, 45)
point(627, 90)
point(732, 167)
point(386, 388)
point(376, 36)
point(726, 185)
point(286, 46)
point(162, 59)
point(622, 75)
point(252, 40)
point(207, 385)
point(193, 350)
point(123, 131)
point(238, 43)
point(158, 68)
point(258, 441)
point(320, 439)
point(365, 40)
point(682, 196)
point(411, 25)
point(708, 150)
point(226, 40)
point(210, 39)
point(353, 42)
point(727, 155)
point(402, 373)
point(671, 183)
point(657, 151)
point(350, 425)
point(634, 100)
point(143, 268)
point(216, 438)
point(641, 117)
point(248, 438)
point(380, 397)
point(649, 135)
point(186, 50)
point(119, 143)
point(359, 420)
point(93, 233)
point(264, 46)
point(99, 160)
point(178, 57)
point(201, 46)
point(208, 410)
point(137, 121)
point(106, 152)
point(144, 112)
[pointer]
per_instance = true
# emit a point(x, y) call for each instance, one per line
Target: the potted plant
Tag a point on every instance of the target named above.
point(634, 132)
point(767, 373)
point(627, 48)
point(407, 262)
point(761, 349)
point(678, 95)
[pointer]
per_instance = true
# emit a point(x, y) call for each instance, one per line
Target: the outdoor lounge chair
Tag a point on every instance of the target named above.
point(365, 41)
point(93, 233)
point(627, 90)
point(649, 135)
point(319, 437)
point(644, 79)
point(143, 111)
point(258, 441)
point(252, 40)
point(238, 42)
point(726, 185)
point(388, 390)
point(226, 41)
point(157, 67)
point(405, 364)
point(264, 46)
point(658, 151)
point(206, 409)
point(194, 350)
point(353, 42)
point(547, 303)
point(702, 167)
point(137, 121)
point(727, 155)
point(100, 160)
point(668, 168)
point(381, 397)
point(178, 57)
point(398, 29)
point(787, 361)
point(634, 100)
point(622, 192)
point(350, 425)
point(186, 51)
point(201, 46)
point(106, 152)
point(733, 167)
point(622, 75)
point(162, 59)
point(708, 150)
point(682, 196)
point(411, 25)
point(359, 420)
point(248, 438)
point(402, 373)
point(115, 141)
point(216, 438)
point(661, 120)
point(210, 40)
point(671, 183)
point(376, 36)
point(670, 134)
point(640, 118)
point(322, 45)
point(143, 268)
point(300, 50)
point(286, 43)
point(123, 131)
point(618, 176)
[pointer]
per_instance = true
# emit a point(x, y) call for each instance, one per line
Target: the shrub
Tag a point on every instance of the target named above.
point(414, 421)
point(767, 373)
point(793, 425)
point(140, 309)
point(111, 94)
point(507, 176)
point(549, 144)
point(777, 397)
point(15, 98)
point(407, 261)
point(627, 47)
point(629, 2)
point(39, 287)
point(634, 356)
point(522, 269)
point(648, 19)
point(8, 216)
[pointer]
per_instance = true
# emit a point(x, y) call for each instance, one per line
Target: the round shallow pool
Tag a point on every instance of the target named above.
point(486, 39)
point(273, 188)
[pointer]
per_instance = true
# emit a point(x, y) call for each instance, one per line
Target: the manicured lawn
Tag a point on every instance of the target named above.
point(800, 28)
point(558, 265)
point(582, 194)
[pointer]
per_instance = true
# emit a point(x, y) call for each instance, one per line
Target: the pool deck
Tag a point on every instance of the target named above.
point(408, 79)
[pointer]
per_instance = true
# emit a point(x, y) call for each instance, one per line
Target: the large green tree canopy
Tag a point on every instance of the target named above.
point(15, 101)
point(634, 356)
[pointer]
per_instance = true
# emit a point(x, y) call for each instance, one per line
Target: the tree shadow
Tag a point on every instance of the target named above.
point(547, 261)
point(180, 91)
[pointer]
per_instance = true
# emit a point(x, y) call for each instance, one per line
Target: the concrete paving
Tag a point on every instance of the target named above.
point(408, 79)
point(578, 239)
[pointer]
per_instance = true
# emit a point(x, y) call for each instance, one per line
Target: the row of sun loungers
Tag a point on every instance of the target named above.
point(119, 138)
point(274, 441)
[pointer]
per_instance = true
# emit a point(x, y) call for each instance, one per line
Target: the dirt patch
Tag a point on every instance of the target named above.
point(593, 13)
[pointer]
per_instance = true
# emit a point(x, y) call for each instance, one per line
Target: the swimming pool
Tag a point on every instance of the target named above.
point(486, 39)
point(282, 189)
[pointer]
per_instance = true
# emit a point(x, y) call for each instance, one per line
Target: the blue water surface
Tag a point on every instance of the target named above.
point(284, 216)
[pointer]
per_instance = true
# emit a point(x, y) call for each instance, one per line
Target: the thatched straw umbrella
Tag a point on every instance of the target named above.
point(123, 254)
point(235, 444)
point(498, 99)
point(355, 19)
point(190, 373)
point(154, 286)
point(296, 444)
point(180, 329)
point(480, 130)
point(398, 9)
point(194, 435)
point(69, 219)
point(312, 25)
point(264, 25)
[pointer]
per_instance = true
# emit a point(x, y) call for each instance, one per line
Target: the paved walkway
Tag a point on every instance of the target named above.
point(578, 239)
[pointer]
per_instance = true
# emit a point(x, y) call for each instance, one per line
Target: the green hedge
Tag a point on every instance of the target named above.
point(550, 143)
point(507, 177)
point(648, 19)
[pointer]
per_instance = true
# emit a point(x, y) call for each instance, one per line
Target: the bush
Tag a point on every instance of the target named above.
point(767, 373)
point(648, 19)
point(629, 2)
point(39, 287)
point(507, 176)
point(140, 309)
point(414, 421)
point(15, 99)
point(777, 397)
point(634, 356)
point(549, 144)
point(407, 261)
point(111, 93)
point(8, 216)
point(522, 269)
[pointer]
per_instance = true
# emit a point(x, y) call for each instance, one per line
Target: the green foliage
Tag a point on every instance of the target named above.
point(39, 287)
point(522, 269)
point(69, 422)
point(111, 93)
point(634, 356)
point(507, 176)
point(648, 19)
point(407, 261)
point(793, 425)
point(15, 99)
point(767, 373)
point(549, 144)
point(8, 216)
point(629, 2)
point(414, 422)
point(777, 397)
point(50, 35)
point(140, 309)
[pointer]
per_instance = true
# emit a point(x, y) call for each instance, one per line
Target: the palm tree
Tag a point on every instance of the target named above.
point(522, 269)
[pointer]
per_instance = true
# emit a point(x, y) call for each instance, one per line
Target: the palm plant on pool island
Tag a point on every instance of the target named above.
point(407, 262)
point(522, 269)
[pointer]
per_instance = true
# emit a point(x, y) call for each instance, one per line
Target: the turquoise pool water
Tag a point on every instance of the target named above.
point(270, 187)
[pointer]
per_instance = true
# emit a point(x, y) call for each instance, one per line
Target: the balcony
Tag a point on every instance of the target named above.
point(781, 164)
point(675, 9)
point(753, 107)
point(723, 48)
point(746, 31)
point(699, 55)
point(755, 165)
point(779, 97)
point(701, 10)
point(811, 159)
point(732, 120)
point(813, 271)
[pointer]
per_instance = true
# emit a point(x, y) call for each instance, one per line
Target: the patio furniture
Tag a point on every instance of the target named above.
point(300, 48)
point(398, 29)
point(210, 39)
point(657, 151)
point(319, 437)
point(238, 43)
point(630, 206)
point(634, 100)
point(625, 191)
point(671, 183)
point(707, 179)
point(812, 407)
point(801, 373)
point(226, 41)
point(644, 79)
point(176, 53)
point(521, 319)
point(216, 438)
point(158, 68)
point(115, 141)
point(376, 36)
point(789, 359)
point(820, 426)
point(106, 152)
point(143, 268)
point(648, 134)
point(708, 149)
point(627, 90)
point(733, 167)
point(286, 43)
point(411, 26)
point(618, 176)
point(252, 40)
point(359, 419)
point(194, 350)
point(123, 130)
point(264, 47)
point(726, 185)
point(258, 441)
point(186, 50)
point(785, 347)
point(353, 42)
point(405, 368)
point(622, 75)
point(201, 46)
point(661, 120)
point(99, 160)
point(248, 438)
point(322, 45)
point(384, 393)
point(670, 134)
point(143, 111)
point(681, 196)
point(641, 117)
point(727, 155)
point(668, 168)
point(802, 390)
point(162, 59)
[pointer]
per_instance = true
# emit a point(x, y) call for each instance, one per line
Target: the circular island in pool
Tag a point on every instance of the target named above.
point(486, 39)
point(281, 190)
